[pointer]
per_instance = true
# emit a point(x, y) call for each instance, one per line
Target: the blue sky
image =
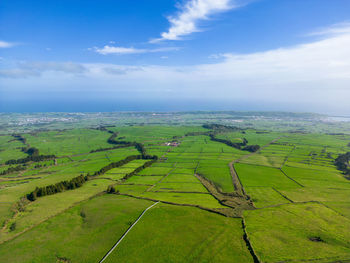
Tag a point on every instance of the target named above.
point(72, 55)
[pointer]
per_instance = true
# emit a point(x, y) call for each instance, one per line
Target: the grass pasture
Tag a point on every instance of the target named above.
point(295, 207)
point(83, 233)
point(298, 232)
point(218, 173)
point(182, 234)
point(69, 142)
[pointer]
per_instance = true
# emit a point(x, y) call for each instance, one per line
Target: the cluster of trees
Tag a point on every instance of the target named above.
point(32, 151)
point(31, 158)
point(13, 169)
point(111, 190)
point(74, 183)
point(342, 163)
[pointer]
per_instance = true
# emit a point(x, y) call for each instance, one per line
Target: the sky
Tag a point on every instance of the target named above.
point(175, 55)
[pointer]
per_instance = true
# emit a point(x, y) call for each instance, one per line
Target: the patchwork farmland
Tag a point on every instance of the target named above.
point(210, 193)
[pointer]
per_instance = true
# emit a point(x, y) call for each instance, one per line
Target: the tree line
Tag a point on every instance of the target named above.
point(31, 158)
point(13, 169)
point(342, 164)
point(125, 161)
point(111, 189)
point(117, 164)
point(218, 128)
point(108, 148)
point(78, 181)
point(240, 146)
point(74, 183)
point(19, 137)
point(137, 145)
point(140, 168)
point(33, 153)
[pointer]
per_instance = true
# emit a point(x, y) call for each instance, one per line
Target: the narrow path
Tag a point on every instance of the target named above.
point(127, 231)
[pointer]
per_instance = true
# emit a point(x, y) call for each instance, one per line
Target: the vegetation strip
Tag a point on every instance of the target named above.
point(217, 128)
point(234, 204)
point(248, 243)
point(284, 196)
point(236, 181)
point(212, 210)
point(291, 178)
point(127, 231)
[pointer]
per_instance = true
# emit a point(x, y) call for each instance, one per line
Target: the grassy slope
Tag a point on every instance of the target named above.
point(76, 238)
point(282, 233)
point(183, 234)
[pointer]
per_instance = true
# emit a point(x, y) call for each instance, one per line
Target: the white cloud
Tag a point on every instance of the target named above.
point(185, 22)
point(130, 50)
point(340, 28)
point(4, 44)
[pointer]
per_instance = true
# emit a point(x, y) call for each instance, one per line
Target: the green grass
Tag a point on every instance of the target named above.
point(218, 173)
point(156, 171)
point(53, 174)
point(265, 196)
point(51, 205)
point(53, 227)
point(254, 175)
point(69, 142)
point(182, 234)
point(73, 236)
point(178, 178)
point(182, 187)
point(317, 178)
point(204, 200)
point(282, 234)
point(144, 179)
point(10, 149)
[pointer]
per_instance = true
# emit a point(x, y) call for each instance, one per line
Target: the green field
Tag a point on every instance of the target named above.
point(183, 234)
point(286, 202)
